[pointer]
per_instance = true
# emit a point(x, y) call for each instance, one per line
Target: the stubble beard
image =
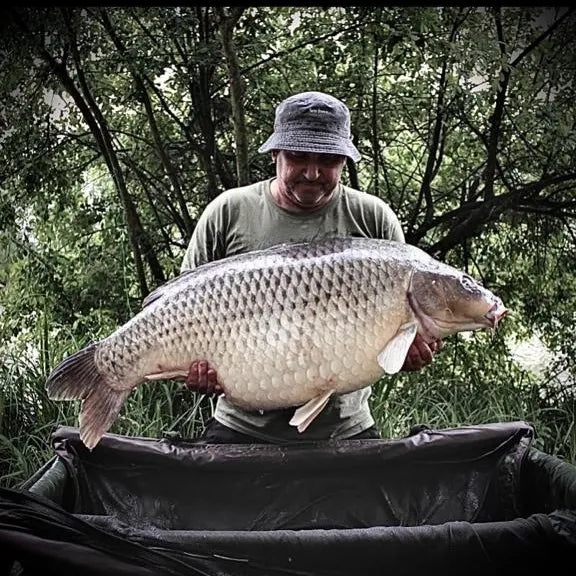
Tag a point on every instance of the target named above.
point(306, 200)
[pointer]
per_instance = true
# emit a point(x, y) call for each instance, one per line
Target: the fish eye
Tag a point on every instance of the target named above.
point(468, 282)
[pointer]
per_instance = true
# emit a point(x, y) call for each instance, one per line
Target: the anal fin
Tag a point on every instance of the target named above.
point(168, 375)
point(304, 415)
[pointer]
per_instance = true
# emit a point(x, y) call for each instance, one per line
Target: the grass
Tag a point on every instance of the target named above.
point(439, 402)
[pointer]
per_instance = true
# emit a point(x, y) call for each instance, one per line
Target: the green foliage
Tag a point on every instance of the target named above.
point(473, 381)
point(116, 131)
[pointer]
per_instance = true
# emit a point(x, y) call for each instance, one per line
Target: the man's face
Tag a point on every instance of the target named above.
point(306, 180)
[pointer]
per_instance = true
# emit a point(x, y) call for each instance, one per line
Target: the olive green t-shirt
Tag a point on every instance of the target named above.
point(248, 218)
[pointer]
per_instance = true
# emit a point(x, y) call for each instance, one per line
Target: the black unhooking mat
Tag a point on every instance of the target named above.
point(469, 500)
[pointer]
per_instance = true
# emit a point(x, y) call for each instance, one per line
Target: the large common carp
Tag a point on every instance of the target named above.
point(285, 326)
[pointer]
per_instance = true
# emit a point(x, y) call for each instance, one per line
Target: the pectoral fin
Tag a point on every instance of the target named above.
point(392, 358)
point(304, 415)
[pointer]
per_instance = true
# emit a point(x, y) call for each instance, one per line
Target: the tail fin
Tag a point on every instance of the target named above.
point(77, 378)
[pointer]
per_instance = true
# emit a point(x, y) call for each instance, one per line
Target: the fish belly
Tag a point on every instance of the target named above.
point(280, 367)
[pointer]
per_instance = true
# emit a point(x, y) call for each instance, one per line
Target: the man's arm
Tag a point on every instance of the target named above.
point(207, 242)
point(204, 246)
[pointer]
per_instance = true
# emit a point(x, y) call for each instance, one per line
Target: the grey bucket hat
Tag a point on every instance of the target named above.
point(312, 122)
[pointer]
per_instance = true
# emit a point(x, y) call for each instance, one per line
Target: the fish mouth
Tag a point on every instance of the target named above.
point(491, 319)
point(495, 314)
point(435, 328)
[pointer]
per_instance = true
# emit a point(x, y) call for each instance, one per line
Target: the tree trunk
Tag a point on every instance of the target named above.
point(226, 25)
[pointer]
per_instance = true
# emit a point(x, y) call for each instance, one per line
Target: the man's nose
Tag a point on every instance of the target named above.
point(312, 171)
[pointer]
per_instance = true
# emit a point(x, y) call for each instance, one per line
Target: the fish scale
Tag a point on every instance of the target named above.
point(286, 326)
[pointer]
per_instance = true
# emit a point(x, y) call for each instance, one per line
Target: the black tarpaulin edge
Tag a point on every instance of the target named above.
point(428, 445)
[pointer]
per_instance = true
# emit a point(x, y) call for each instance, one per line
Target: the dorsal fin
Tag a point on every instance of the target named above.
point(161, 290)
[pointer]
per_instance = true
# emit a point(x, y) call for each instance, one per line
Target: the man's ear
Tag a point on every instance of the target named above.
point(274, 156)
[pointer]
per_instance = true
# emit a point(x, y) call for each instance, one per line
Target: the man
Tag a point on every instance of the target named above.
point(305, 201)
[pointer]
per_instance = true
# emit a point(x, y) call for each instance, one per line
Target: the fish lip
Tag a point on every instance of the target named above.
point(495, 314)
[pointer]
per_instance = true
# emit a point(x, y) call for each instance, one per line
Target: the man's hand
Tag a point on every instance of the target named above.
point(421, 354)
point(203, 378)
